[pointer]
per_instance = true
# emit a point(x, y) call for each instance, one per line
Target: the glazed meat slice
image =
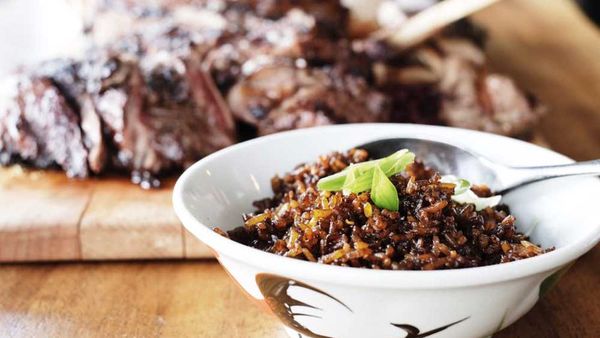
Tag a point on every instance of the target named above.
point(160, 112)
point(472, 98)
point(253, 97)
point(330, 13)
point(149, 97)
point(115, 88)
point(322, 105)
point(492, 103)
point(414, 103)
point(283, 96)
point(38, 126)
point(181, 95)
point(143, 105)
point(262, 41)
point(106, 19)
point(446, 81)
point(66, 74)
point(185, 107)
point(118, 95)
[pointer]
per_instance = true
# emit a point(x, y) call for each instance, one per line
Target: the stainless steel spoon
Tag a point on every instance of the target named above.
point(450, 159)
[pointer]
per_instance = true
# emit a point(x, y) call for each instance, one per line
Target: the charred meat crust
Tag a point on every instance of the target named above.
point(153, 99)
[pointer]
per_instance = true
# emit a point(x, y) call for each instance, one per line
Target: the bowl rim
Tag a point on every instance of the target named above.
point(300, 269)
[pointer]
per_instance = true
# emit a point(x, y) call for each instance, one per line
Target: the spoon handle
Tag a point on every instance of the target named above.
point(525, 175)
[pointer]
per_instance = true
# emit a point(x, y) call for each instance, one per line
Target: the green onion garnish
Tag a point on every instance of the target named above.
point(373, 176)
point(383, 191)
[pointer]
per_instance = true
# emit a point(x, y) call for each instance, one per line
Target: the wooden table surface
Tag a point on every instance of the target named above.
point(546, 45)
point(198, 299)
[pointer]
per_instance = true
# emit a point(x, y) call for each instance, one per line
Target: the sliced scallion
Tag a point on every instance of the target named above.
point(383, 191)
point(359, 177)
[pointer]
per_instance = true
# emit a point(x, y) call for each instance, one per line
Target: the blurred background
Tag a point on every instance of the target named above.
point(553, 48)
point(558, 65)
point(35, 30)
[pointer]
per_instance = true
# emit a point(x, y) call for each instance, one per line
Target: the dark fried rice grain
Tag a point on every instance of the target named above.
point(429, 231)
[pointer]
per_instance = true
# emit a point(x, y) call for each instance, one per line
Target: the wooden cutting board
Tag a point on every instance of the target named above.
point(45, 216)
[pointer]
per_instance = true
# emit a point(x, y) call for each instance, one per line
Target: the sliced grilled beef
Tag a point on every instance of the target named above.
point(185, 107)
point(253, 97)
point(491, 103)
point(282, 96)
point(294, 36)
point(160, 112)
point(148, 18)
point(38, 126)
point(445, 81)
point(116, 87)
point(69, 77)
point(148, 99)
point(474, 99)
point(321, 105)
point(330, 13)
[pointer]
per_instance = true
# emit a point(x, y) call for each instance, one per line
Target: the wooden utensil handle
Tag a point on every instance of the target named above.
point(426, 23)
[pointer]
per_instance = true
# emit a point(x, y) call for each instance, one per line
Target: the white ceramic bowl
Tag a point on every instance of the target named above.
point(352, 302)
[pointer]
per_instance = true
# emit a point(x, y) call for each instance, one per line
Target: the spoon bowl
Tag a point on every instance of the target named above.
point(443, 157)
point(450, 159)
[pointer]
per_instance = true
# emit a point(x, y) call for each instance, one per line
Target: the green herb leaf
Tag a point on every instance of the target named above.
point(344, 180)
point(360, 177)
point(350, 179)
point(383, 191)
point(396, 162)
point(334, 182)
point(358, 184)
